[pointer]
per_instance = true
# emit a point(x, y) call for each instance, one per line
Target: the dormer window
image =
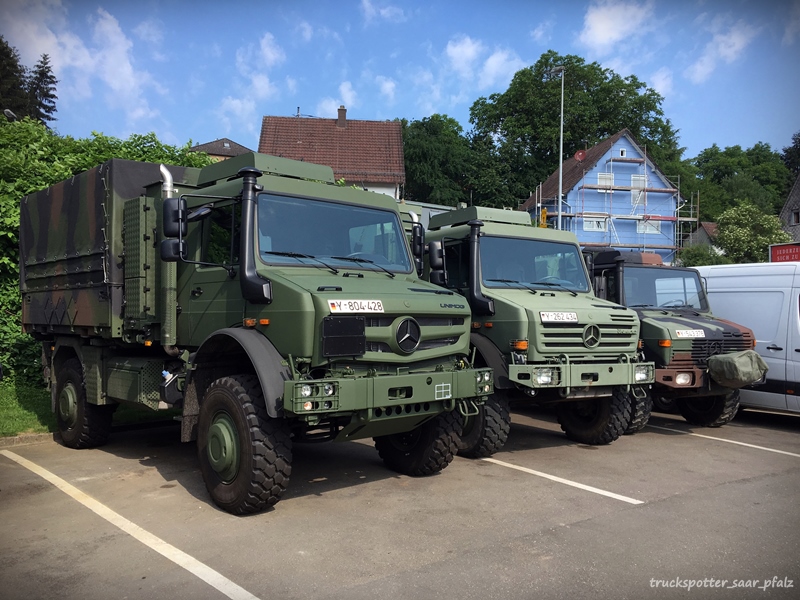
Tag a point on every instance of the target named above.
point(226, 145)
point(622, 152)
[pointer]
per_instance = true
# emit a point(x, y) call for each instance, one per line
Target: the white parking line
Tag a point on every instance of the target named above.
point(708, 437)
point(180, 558)
point(575, 484)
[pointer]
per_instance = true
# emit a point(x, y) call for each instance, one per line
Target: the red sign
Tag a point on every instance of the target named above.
point(784, 252)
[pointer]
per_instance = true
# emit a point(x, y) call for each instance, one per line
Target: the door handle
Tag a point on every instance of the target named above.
point(197, 292)
point(774, 347)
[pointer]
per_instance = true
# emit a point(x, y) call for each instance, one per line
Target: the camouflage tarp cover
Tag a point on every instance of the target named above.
point(737, 369)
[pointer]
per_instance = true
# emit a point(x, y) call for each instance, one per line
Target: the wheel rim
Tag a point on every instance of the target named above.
point(68, 405)
point(586, 411)
point(223, 447)
point(406, 441)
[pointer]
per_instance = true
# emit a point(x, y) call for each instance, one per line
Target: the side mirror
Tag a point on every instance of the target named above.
point(438, 273)
point(418, 245)
point(173, 250)
point(174, 221)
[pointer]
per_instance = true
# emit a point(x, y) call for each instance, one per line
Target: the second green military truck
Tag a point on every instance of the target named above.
point(536, 322)
point(701, 360)
point(267, 304)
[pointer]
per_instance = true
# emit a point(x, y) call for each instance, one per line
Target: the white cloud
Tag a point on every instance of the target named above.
point(387, 87)
point(291, 84)
point(499, 68)
point(543, 32)
point(390, 13)
point(271, 53)
point(609, 22)
point(792, 25)
point(238, 112)
point(151, 31)
point(429, 94)
point(253, 64)
point(115, 67)
point(328, 108)
point(727, 44)
point(306, 31)
point(463, 55)
point(349, 96)
point(661, 81)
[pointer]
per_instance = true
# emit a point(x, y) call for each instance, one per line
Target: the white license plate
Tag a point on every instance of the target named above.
point(559, 317)
point(356, 306)
point(691, 333)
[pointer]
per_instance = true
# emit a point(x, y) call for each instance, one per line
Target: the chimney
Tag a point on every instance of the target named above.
point(342, 120)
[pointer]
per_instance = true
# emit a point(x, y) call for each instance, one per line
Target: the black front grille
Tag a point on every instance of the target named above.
point(343, 336)
point(569, 336)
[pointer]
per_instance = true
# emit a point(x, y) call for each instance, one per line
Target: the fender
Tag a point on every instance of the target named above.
point(231, 343)
point(494, 359)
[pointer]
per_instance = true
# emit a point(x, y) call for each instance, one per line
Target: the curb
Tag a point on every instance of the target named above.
point(27, 439)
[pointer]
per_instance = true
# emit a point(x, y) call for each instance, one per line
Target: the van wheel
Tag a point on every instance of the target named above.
point(640, 412)
point(422, 451)
point(486, 433)
point(709, 411)
point(245, 456)
point(665, 405)
point(597, 421)
point(81, 424)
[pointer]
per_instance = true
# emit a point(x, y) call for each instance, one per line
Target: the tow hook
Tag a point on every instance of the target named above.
point(468, 408)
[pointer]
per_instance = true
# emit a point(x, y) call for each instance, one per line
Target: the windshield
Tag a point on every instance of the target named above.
point(663, 288)
point(516, 262)
point(318, 233)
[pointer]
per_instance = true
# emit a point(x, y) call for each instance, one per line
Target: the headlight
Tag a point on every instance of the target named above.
point(641, 373)
point(544, 376)
point(306, 390)
point(487, 376)
point(328, 389)
point(683, 378)
point(479, 377)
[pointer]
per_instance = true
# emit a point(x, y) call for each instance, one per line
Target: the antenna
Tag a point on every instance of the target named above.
point(580, 155)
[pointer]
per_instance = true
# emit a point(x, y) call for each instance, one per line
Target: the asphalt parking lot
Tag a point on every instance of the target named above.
point(671, 512)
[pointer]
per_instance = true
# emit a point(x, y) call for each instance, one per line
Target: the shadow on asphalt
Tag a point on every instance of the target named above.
point(316, 468)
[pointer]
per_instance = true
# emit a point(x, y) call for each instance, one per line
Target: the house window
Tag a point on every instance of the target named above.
point(605, 180)
point(796, 217)
point(594, 224)
point(622, 152)
point(638, 181)
point(648, 227)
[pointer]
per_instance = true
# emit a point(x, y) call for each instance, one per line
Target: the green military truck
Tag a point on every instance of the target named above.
point(267, 303)
point(701, 360)
point(536, 322)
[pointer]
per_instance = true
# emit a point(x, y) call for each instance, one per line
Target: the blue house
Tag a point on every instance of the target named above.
point(615, 197)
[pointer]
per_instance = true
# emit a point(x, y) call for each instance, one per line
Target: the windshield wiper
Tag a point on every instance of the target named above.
point(525, 285)
point(298, 255)
point(364, 260)
point(641, 305)
point(556, 285)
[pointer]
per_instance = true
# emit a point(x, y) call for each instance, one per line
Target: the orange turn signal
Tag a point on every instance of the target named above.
point(521, 345)
point(249, 322)
point(665, 343)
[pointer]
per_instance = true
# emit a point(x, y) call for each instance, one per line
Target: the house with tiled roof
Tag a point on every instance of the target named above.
point(704, 234)
point(614, 196)
point(790, 214)
point(221, 149)
point(368, 154)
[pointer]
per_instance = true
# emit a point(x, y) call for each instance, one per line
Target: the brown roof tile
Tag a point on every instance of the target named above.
point(361, 151)
point(221, 147)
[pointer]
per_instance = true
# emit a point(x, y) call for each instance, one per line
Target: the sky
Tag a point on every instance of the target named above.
point(200, 70)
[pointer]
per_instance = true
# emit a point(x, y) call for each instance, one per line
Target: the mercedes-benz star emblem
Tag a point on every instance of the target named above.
point(408, 334)
point(591, 336)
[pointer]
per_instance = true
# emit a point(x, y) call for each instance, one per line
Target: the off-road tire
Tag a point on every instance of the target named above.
point(709, 411)
point(422, 451)
point(486, 433)
point(596, 421)
point(665, 405)
point(233, 423)
point(84, 425)
point(640, 412)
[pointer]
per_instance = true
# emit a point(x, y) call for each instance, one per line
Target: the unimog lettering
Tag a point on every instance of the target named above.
point(267, 304)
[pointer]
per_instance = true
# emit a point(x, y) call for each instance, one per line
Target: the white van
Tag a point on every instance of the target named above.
point(766, 298)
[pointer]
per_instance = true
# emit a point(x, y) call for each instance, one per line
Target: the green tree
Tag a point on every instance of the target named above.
point(12, 81)
point(34, 158)
point(41, 88)
point(791, 155)
point(701, 254)
point(746, 232)
point(524, 121)
point(438, 161)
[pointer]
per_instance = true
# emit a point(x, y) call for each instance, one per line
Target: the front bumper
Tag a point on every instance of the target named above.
point(573, 376)
point(385, 404)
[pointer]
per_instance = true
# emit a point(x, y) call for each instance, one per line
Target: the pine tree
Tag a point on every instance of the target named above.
point(13, 81)
point(41, 87)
